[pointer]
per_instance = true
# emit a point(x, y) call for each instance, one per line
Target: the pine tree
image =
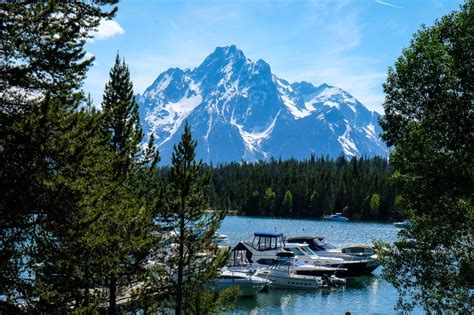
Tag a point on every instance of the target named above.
point(126, 223)
point(43, 150)
point(121, 120)
point(68, 266)
point(196, 260)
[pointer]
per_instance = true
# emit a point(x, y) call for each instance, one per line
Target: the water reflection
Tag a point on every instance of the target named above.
point(303, 302)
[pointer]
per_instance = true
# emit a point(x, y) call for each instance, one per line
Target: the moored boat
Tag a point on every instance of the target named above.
point(336, 217)
point(403, 224)
point(341, 267)
point(368, 260)
point(248, 284)
point(282, 274)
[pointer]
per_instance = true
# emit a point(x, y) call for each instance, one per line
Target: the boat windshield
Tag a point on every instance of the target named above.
point(283, 264)
point(296, 250)
point(321, 244)
point(308, 251)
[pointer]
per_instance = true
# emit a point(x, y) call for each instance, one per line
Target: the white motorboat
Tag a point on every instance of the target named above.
point(248, 284)
point(345, 267)
point(306, 255)
point(322, 248)
point(221, 240)
point(403, 225)
point(282, 274)
point(220, 236)
point(336, 217)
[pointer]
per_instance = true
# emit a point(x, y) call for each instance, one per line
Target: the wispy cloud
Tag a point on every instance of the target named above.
point(388, 4)
point(106, 30)
point(346, 34)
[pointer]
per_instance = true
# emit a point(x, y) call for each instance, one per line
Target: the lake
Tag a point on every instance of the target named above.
point(362, 295)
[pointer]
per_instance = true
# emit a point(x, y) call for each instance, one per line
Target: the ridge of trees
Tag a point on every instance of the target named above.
point(360, 188)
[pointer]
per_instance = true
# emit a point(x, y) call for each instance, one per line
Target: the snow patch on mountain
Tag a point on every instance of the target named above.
point(253, 140)
point(333, 97)
point(170, 117)
point(161, 86)
point(287, 96)
point(348, 146)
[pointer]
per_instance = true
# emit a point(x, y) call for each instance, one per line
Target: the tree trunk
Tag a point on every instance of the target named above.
point(179, 289)
point(112, 296)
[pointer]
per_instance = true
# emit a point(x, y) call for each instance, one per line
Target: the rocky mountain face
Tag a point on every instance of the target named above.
point(238, 110)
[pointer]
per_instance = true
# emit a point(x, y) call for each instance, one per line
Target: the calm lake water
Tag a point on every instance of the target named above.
point(363, 295)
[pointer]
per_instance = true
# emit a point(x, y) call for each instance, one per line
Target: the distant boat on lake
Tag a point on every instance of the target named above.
point(403, 225)
point(336, 217)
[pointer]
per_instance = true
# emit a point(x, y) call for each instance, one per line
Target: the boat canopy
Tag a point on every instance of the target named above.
point(267, 241)
point(268, 234)
point(316, 243)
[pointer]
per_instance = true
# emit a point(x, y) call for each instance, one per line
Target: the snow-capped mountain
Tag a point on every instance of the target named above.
point(238, 110)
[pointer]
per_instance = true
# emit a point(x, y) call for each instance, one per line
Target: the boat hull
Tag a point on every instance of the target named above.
point(246, 287)
point(344, 270)
point(356, 266)
point(291, 282)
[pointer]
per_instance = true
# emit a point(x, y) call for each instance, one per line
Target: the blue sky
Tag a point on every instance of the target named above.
point(346, 43)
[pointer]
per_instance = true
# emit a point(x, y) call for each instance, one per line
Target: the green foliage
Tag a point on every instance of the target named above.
point(317, 186)
point(78, 211)
point(375, 204)
point(42, 48)
point(121, 121)
point(124, 219)
point(44, 149)
point(195, 259)
point(269, 199)
point(399, 205)
point(205, 302)
point(288, 202)
point(429, 119)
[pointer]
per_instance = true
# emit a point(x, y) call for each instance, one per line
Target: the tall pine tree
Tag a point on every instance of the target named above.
point(195, 260)
point(126, 223)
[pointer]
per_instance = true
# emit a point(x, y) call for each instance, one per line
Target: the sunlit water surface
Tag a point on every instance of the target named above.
point(363, 295)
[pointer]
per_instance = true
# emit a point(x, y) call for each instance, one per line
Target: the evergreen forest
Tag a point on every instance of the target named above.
point(360, 188)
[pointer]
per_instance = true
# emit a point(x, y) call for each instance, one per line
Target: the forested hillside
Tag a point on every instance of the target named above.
point(359, 187)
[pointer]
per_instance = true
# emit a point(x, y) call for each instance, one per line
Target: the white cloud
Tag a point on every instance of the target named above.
point(107, 29)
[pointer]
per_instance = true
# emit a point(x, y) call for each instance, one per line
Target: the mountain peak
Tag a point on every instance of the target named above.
point(225, 57)
point(238, 110)
point(228, 49)
point(227, 52)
